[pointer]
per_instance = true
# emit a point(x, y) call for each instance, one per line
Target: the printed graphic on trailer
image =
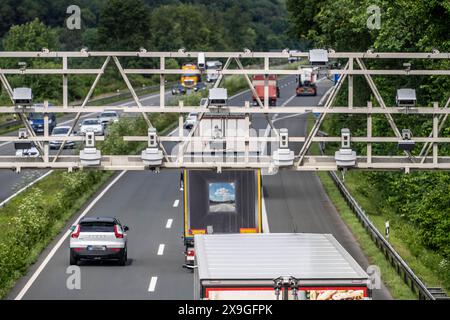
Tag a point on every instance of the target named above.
point(222, 197)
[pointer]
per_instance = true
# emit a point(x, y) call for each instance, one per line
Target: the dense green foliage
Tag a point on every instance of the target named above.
point(157, 25)
point(31, 220)
point(422, 199)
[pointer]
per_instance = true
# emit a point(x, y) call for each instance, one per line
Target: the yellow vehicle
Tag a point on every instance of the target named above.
point(190, 81)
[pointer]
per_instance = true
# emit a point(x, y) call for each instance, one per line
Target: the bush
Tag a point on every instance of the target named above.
point(31, 220)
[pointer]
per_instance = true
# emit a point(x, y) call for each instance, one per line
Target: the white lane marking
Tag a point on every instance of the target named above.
point(43, 176)
point(24, 188)
point(274, 119)
point(161, 249)
point(265, 220)
point(60, 124)
point(63, 238)
point(94, 113)
point(321, 79)
point(175, 203)
point(169, 223)
point(325, 96)
point(152, 285)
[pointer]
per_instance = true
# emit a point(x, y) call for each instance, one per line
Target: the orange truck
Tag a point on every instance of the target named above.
point(258, 82)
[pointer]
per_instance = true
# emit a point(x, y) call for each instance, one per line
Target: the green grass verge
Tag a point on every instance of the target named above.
point(30, 221)
point(392, 280)
point(430, 266)
point(404, 237)
point(395, 284)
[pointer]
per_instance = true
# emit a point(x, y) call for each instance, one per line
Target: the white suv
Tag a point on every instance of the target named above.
point(98, 238)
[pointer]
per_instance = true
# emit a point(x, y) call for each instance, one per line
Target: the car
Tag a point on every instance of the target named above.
point(30, 152)
point(36, 120)
point(93, 125)
point(200, 86)
point(61, 131)
point(191, 120)
point(108, 117)
point(178, 89)
point(98, 238)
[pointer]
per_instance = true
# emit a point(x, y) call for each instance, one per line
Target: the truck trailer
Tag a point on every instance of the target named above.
point(276, 266)
point(258, 82)
point(306, 82)
point(220, 203)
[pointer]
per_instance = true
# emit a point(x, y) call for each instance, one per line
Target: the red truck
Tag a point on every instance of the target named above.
point(258, 82)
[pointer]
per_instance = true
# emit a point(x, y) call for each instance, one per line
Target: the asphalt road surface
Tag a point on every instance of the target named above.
point(150, 204)
point(11, 181)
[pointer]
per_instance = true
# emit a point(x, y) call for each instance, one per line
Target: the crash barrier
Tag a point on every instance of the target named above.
point(402, 268)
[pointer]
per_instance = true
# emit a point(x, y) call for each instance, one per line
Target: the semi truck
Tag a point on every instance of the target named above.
point(276, 266)
point(306, 82)
point(213, 68)
point(219, 203)
point(258, 82)
point(189, 81)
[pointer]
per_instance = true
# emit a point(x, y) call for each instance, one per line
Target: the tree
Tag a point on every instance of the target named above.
point(32, 36)
point(124, 25)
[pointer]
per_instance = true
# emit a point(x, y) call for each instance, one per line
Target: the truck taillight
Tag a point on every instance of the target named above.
point(76, 232)
point(190, 252)
point(119, 235)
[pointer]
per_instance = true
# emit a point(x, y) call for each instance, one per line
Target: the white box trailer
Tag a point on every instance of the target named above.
point(276, 266)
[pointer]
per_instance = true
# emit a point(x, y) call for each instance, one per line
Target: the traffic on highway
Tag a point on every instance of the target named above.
point(223, 159)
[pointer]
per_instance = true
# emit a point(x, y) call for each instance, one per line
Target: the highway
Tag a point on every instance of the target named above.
point(150, 204)
point(12, 181)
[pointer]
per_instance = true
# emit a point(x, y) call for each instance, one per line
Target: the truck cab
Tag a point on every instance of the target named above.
point(190, 81)
point(306, 82)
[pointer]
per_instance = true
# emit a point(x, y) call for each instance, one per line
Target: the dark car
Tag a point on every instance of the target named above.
point(36, 120)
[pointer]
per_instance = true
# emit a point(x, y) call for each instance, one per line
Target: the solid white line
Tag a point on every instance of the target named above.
point(175, 203)
point(151, 287)
point(265, 220)
point(326, 94)
point(24, 188)
point(169, 223)
point(161, 249)
point(63, 238)
point(274, 119)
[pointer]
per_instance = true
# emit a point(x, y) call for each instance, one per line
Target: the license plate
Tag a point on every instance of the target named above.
point(96, 248)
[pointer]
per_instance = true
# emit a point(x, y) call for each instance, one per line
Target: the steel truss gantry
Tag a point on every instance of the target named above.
point(354, 65)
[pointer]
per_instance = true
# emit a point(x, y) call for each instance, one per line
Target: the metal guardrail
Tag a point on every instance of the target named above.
point(123, 94)
point(402, 268)
point(10, 124)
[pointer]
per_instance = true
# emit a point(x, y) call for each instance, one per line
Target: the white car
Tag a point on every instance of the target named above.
point(191, 120)
point(31, 152)
point(108, 117)
point(92, 125)
point(98, 238)
point(61, 131)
